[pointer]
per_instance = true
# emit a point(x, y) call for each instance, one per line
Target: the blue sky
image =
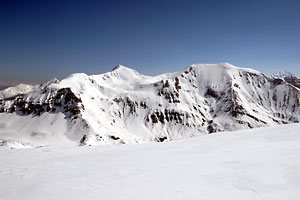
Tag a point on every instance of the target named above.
point(44, 39)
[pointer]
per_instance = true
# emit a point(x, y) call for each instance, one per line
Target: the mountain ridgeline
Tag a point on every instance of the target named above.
point(123, 106)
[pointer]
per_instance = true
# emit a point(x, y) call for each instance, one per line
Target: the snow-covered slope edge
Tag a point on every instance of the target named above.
point(124, 106)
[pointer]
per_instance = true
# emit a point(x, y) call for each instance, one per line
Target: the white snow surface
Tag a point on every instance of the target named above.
point(253, 164)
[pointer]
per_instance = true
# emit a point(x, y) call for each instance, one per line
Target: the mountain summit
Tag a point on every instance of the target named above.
point(124, 106)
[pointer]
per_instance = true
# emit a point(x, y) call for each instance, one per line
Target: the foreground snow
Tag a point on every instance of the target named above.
point(250, 164)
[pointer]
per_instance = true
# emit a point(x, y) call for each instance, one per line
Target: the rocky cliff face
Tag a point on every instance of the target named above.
point(124, 106)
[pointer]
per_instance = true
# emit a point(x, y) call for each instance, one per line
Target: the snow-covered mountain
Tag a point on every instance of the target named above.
point(124, 106)
point(287, 77)
point(282, 74)
point(18, 89)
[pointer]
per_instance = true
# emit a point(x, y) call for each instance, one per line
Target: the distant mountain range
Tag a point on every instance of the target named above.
point(287, 77)
point(124, 106)
point(282, 74)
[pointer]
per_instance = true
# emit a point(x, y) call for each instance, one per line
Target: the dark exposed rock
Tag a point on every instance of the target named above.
point(154, 118)
point(274, 97)
point(293, 80)
point(171, 96)
point(177, 86)
point(114, 137)
point(166, 84)
point(277, 81)
point(212, 127)
point(128, 103)
point(64, 100)
point(236, 85)
point(143, 105)
point(161, 139)
point(212, 93)
point(169, 116)
point(255, 118)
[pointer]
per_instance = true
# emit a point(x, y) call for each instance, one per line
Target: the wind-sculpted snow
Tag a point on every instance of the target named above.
point(123, 106)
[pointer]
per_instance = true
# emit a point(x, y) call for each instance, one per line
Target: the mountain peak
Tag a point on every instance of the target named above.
point(125, 72)
point(120, 67)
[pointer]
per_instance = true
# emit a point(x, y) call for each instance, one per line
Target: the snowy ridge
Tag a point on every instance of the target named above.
point(124, 106)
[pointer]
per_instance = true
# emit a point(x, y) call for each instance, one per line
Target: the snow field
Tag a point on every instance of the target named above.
point(260, 163)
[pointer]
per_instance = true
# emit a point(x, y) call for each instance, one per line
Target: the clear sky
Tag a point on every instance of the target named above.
point(44, 39)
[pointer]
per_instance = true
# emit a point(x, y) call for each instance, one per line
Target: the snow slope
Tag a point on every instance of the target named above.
point(124, 106)
point(256, 164)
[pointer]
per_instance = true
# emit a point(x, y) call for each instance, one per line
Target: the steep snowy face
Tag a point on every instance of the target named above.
point(124, 106)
